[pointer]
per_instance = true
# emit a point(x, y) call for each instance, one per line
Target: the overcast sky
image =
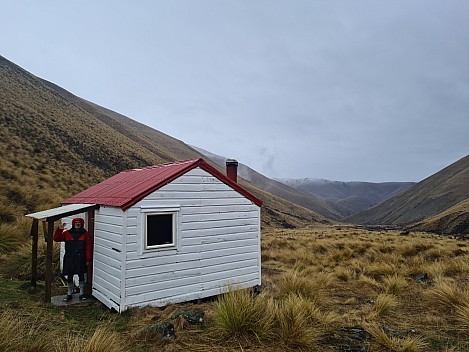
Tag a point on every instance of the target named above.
point(342, 90)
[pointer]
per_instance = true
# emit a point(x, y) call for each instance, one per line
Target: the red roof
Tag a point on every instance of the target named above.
point(130, 186)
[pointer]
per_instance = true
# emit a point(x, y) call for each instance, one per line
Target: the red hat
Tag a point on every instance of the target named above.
point(80, 220)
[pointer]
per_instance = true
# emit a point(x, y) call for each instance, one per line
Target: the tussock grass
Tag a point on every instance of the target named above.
point(448, 295)
point(383, 304)
point(394, 284)
point(10, 238)
point(308, 296)
point(301, 283)
point(102, 340)
point(381, 269)
point(369, 281)
point(397, 344)
point(293, 323)
point(18, 263)
point(241, 313)
point(462, 316)
point(19, 333)
point(345, 274)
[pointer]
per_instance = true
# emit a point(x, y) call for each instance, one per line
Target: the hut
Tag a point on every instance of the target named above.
point(170, 233)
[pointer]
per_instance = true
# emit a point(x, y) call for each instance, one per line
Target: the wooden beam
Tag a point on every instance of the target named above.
point(89, 271)
point(50, 243)
point(34, 235)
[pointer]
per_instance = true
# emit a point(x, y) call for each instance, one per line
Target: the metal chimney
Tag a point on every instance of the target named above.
point(232, 170)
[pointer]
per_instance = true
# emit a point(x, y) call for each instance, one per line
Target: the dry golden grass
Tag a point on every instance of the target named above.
point(374, 279)
point(240, 313)
point(394, 284)
point(293, 323)
point(102, 340)
point(18, 263)
point(317, 281)
point(19, 333)
point(396, 344)
point(383, 304)
point(462, 317)
point(448, 295)
point(10, 238)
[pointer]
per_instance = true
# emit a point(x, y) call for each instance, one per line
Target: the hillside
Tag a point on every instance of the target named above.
point(427, 198)
point(54, 144)
point(347, 198)
point(452, 221)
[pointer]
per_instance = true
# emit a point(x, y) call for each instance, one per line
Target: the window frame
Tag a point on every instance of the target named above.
point(145, 212)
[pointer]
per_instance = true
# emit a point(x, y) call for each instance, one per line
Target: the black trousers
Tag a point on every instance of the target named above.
point(81, 278)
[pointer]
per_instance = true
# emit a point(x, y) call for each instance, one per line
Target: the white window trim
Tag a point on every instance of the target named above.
point(152, 210)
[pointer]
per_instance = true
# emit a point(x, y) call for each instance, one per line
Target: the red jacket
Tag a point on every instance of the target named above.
point(63, 235)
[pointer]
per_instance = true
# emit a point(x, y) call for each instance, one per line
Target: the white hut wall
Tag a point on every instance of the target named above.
point(108, 255)
point(217, 243)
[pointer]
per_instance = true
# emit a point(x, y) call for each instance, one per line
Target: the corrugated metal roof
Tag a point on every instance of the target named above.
point(57, 213)
point(130, 186)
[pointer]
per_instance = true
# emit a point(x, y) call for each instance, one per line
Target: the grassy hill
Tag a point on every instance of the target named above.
point(54, 144)
point(427, 198)
point(454, 220)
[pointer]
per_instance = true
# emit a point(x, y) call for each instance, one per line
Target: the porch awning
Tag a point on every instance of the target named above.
point(60, 212)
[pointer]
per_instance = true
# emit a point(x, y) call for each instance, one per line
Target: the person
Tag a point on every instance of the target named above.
point(77, 254)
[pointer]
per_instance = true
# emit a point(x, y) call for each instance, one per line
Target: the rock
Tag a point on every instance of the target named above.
point(193, 316)
point(349, 339)
point(165, 330)
point(421, 277)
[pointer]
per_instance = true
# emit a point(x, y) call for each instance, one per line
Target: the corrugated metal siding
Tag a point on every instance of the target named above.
point(129, 185)
point(218, 243)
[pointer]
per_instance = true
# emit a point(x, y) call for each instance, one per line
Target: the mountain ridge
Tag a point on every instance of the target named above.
point(348, 198)
point(427, 198)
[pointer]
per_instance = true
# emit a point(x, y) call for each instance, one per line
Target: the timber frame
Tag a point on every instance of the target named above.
point(49, 217)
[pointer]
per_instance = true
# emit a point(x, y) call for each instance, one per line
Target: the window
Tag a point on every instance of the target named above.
point(160, 230)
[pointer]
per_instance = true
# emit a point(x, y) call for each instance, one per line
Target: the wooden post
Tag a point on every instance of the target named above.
point(44, 230)
point(34, 235)
point(50, 243)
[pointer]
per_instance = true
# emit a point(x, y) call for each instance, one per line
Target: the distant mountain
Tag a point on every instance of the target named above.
point(276, 188)
point(430, 197)
point(347, 198)
point(54, 144)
